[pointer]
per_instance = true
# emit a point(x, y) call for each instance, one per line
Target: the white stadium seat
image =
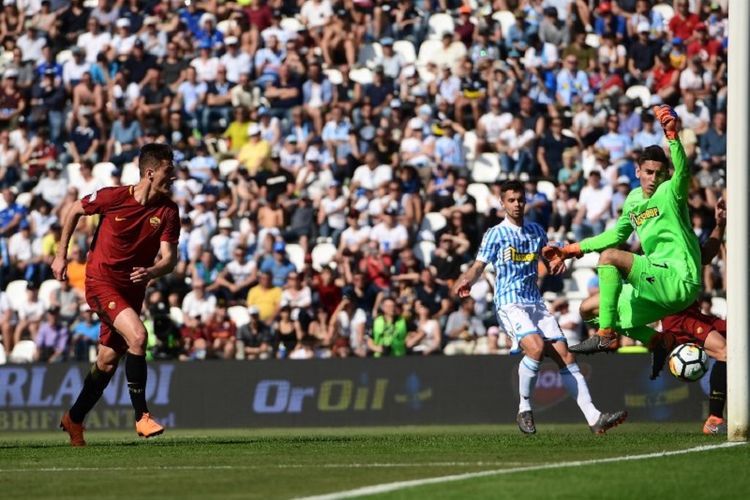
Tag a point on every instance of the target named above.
point(291, 24)
point(73, 171)
point(334, 76)
point(640, 92)
point(322, 255)
point(666, 11)
point(227, 26)
point(486, 168)
point(296, 255)
point(176, 315)
point(228, 166)
point(593, 40)
point(424, 251)
point(433, 222)
point(103, 172)
point(130, 174)
point(481, 193)
point(719, 307)
point(16, 292)
point(470, 145)
point(506, 19)
point(46, 289)
point(548, 189)
point(3, 358)
point(23, 352)
point(24, 199)
point(440, 24)
point(239, 315)
point(64, 56)
point(407, 51)
point(363, 76)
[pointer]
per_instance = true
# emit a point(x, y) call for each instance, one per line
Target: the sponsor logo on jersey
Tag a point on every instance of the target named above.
point(154, 221)
point(637, 220)
point(510, 254)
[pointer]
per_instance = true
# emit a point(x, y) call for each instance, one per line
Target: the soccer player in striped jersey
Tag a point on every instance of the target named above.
point(513, 248)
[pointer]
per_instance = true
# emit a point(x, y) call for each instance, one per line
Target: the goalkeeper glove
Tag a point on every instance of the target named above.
point(556, 255)
point(668, 119)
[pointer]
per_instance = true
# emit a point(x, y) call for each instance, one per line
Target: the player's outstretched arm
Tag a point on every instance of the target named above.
point(70, 221)
point(168, 259)
point(462, 287)
point(681, 179)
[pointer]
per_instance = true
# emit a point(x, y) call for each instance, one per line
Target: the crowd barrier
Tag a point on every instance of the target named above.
point(347, 392)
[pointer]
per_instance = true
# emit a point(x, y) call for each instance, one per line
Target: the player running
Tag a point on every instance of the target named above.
point(137, 223)
point(664, 280)
point(513, 247)
point(708, 331)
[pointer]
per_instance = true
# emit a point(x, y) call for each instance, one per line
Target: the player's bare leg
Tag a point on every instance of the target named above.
point(613, 266)
point(129, 325)
point(93, 386)
point(575, 384)
point(716, 347)
point(528, 370)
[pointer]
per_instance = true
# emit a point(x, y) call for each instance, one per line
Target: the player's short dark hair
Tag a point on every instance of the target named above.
point(511, 185)
point(654, 153)
point(153, 154)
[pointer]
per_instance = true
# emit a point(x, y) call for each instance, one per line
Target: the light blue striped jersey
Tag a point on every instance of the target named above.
point(513, 251)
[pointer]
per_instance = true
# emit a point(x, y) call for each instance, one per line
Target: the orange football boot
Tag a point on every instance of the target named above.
point(74, 430)
point(148, 427)
point(714, 425)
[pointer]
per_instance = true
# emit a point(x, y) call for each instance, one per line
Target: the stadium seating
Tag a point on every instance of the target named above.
point(506, 19)
point(486, 168)
point(23, 352)
point(406, 50)
point(666, 11)
point(130, 173)
point(3, 357)
point(46, 289)
point(481, 194)
point(239, 315)
point(424, 251)
point(296, 255)
point(434, 222)
point(177, 316)
point(16, 292)
point(719, 306)
point(323, 255)
point(439, 25)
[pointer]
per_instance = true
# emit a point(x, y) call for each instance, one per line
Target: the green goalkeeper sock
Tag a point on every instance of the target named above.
point(610, 284)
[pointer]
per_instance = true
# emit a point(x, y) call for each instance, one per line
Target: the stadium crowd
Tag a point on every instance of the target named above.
point(338, 161)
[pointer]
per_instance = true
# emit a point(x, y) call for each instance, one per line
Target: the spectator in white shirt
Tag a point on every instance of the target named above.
point(491, 125)
point(389, 234)
point(93, 41)
point(235, 60)
point(198, 306)
point(593, 207)
point(331, 213)
point(694, 116)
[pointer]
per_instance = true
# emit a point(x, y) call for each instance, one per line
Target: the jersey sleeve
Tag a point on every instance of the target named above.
point(489, 247)
point(171, 232)
point(680, 182)
point(610, 238)
point(98, 202)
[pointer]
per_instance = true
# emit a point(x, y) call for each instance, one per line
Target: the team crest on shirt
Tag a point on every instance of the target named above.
point(510, 254)
point(637, 220)
point(111, 305)
point(154, 221)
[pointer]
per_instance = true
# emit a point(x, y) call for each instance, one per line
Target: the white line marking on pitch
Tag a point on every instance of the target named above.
point(399, 485)
point(277, 466)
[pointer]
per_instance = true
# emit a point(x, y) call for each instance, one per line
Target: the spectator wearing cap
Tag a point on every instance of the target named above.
point(644, 14)
point(696, 79)
point(278, 264)
point(317, 95)
point(74, 69)
point(207, 33)
point(123, 40)
point(268, 22)
point(85, 333)
point(52, 338)
point(235, 61)
point(704, 46)
point(449, 149)
point(84, 139)
point(217, 112)
point(572, 83)
point(642, 53)
point(201, 164)
point(390, 235)
point(47, 104)
point(256, 152)
point(256, 336)
point(139, 64)
point(268, 61)
point(630, 120)
point(684, 22)
point(608, 23)
point(153, 39)
point(648, 135)
point(94, 41)
point(270, 127)
point(613, 141)
point(190, 95)
point(206, 64)
point(203, 217)
point(12, 103)
point(265, 297)
point(694, 115)
point(594, 207)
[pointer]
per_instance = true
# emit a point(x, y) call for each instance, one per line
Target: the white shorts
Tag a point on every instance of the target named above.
point(521, 320)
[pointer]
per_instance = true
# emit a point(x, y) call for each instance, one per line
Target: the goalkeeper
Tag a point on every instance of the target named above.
point(663, 281)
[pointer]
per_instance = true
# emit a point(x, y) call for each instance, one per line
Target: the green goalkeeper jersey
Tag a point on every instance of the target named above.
point(661, 221)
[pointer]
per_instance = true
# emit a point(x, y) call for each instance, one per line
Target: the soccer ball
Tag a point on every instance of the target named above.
point(688, 362)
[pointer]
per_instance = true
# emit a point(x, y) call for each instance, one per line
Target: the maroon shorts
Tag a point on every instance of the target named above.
point(691, 325)
point(108, 301)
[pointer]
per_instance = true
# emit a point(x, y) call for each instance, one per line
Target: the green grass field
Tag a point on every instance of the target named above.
point(286, 463)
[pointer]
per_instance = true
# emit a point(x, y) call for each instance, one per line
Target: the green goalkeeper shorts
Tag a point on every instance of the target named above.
point(652, 292)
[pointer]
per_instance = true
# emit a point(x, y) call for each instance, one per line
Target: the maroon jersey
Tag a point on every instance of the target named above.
point(129, 234)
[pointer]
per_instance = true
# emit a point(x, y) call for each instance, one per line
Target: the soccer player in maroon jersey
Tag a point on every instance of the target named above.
point(137, 223)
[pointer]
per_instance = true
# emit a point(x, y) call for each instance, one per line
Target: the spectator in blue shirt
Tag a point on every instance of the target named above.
point(630, 121)
point(648, 135)
point(85, 333)
point(279, 265)
point(609, 23)
point(572, 83)
point(616, 143)
point(449, 148)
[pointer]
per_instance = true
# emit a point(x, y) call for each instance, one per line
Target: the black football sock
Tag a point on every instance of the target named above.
point(93, 387)
point(718, 397)
point(136, 373)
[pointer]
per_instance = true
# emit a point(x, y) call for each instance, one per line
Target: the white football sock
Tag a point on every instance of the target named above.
point(573, 380)
point(528, 369)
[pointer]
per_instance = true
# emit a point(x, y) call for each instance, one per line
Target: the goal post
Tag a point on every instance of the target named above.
point(738, 237)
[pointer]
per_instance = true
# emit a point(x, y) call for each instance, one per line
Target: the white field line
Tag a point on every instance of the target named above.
point(250, 466)
point(399, 485)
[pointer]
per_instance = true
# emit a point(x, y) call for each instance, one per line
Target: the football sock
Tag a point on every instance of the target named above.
point(93, 387)
point(575, 384)
point(718, 383)
point(528, 370)
point(136, 373)
point(610, 284)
